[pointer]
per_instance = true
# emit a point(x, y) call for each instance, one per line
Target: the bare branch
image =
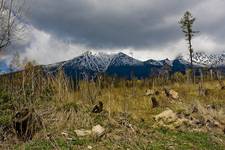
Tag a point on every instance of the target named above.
point(10, 11)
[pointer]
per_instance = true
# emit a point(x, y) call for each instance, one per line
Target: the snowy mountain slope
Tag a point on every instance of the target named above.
point(97, 62)
point(207, 60)
point(122, 59)
point(153, 62)
point(87, 61)
point(102, 62)
point(123, 65)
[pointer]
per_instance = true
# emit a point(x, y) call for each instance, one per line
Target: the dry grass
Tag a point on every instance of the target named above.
point(63, 108)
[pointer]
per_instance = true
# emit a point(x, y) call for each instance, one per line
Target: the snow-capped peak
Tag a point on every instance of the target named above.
point(122, 59)
point(93, 61)
point(208, 59)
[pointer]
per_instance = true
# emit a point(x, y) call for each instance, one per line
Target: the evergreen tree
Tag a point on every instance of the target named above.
point(186, 24)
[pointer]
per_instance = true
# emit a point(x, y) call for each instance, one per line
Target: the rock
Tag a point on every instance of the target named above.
point(202, 120)
point(181, 122)
point(166, 116)
point(69, 139)
point(89, 147)
point(195, 109)
point(173, 94)
point(131, 127)
point(98, 130)
point(199, 122)
point(169, 119)
point(149, 92)
point(98, 108)
point(167, 92)
point(65, 134)
point(116, 137)
point(82, 132)
point(211, 107)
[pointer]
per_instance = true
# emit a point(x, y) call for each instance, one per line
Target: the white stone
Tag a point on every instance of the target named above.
point(167, 116)
point(89, 147)
point(82, 132)
point(173, 94)
point(98, 130)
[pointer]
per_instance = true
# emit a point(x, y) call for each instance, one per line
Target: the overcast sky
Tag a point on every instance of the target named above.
point(62, 29)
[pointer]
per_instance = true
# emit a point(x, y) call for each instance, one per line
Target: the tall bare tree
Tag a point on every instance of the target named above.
point(186, 24)
point(10, 15)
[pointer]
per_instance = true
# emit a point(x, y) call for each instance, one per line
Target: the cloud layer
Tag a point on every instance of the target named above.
point(63, 29)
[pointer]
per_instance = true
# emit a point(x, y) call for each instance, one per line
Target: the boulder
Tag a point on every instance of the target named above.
point(201, 119)
point(166, 116)
point(170, 120)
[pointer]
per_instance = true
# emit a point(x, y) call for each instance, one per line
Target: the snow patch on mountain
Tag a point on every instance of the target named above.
point(154, 62)
point(208, 59)
point(122, 59)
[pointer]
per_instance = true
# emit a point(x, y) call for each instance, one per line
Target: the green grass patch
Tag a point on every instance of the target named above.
point(186, 140)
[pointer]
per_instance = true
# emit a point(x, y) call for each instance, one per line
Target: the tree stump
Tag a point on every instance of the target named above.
point(26, 123)
point(98, 108)
point(155, 103)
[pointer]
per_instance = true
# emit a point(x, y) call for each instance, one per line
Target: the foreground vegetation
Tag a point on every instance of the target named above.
point(127, 116)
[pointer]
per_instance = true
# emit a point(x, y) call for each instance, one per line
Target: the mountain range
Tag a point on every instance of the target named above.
point(90, 64)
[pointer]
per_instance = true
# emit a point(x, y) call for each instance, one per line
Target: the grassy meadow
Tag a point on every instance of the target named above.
point(63, 106)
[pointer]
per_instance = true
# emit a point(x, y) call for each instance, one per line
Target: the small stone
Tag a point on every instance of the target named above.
point(65, 134)
point(195, 109)
point(98, 130)
point(98, 108)
point(82, 132)
point(89, 147)
point(173, 94)
point(69, 139)
point(211, 107)
point(116, 137)
point(149, 92)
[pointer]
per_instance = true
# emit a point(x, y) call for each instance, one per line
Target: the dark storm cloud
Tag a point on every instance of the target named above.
point(111, 24)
